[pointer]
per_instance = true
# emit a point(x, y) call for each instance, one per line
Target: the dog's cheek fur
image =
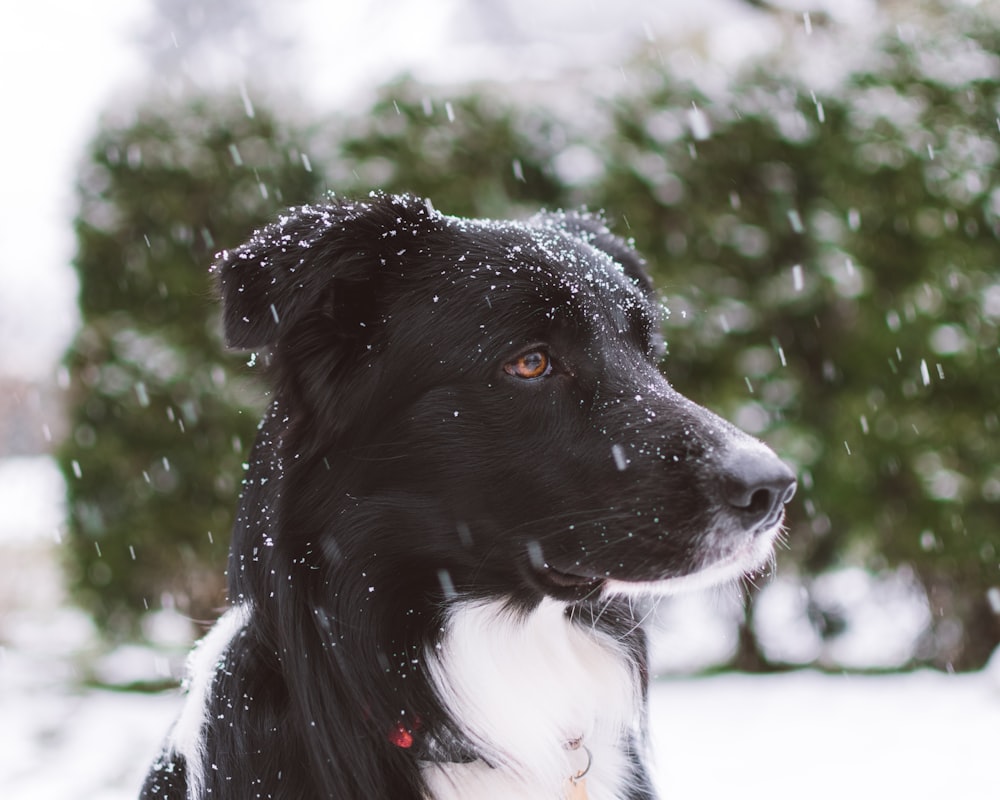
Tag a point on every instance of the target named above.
point(522, 468)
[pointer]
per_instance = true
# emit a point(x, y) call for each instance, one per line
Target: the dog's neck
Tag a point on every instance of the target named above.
point(524, 687)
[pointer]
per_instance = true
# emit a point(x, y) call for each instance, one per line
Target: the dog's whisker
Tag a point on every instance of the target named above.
point(640, 622)
point(602, 609)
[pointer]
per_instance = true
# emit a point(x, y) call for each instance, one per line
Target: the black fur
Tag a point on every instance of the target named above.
point(402, 465)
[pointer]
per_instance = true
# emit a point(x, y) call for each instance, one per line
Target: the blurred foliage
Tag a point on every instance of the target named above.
point(828, 260)
point(475, 155)
point(158, 411)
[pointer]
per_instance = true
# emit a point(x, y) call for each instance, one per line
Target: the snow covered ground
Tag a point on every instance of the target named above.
point(784, 737)
point(805, 735)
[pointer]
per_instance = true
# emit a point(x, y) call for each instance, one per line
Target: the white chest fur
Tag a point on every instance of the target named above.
point(523, 686)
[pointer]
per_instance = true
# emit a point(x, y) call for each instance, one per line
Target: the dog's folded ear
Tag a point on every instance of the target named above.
point(593, 229)
point(295, 266)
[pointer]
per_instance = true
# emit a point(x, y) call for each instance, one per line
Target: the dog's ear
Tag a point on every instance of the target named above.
point(593, 229)
point(312, 258)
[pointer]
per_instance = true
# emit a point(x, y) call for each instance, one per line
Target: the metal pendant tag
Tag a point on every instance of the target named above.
point(577, 789)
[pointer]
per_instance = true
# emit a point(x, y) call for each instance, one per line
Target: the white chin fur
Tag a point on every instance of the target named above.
point(728, 568)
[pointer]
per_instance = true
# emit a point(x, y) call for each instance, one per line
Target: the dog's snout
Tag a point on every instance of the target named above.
point(755, 484)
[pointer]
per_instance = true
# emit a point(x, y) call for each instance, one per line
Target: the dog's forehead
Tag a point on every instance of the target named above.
point(519, 262)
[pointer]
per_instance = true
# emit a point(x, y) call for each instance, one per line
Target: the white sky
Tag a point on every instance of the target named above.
point(59, 61)
point(63, 61)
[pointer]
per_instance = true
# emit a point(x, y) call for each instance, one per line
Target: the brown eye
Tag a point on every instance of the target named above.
point(535, 364)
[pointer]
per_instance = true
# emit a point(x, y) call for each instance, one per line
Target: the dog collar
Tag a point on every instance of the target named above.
point(428, 749)
point(425, 747)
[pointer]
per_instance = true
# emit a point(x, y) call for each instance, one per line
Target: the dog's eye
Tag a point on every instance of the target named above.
point(529, 366)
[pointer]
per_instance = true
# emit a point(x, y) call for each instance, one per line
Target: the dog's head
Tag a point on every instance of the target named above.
point(481, 401)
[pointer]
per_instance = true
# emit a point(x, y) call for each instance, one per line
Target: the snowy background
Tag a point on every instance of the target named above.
point(818, 735)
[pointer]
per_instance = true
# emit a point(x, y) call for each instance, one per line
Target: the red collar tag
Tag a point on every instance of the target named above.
point(401, 737)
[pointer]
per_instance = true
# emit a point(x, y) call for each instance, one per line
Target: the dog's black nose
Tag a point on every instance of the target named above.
point(755, 484)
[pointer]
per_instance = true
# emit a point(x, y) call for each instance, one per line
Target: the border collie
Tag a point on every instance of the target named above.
point(471, 468)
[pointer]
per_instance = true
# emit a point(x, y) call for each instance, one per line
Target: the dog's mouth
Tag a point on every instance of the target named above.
point(736, 556)
point(566, 585)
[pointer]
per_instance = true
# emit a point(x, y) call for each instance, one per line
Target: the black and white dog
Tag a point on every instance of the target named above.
point(471, 468)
